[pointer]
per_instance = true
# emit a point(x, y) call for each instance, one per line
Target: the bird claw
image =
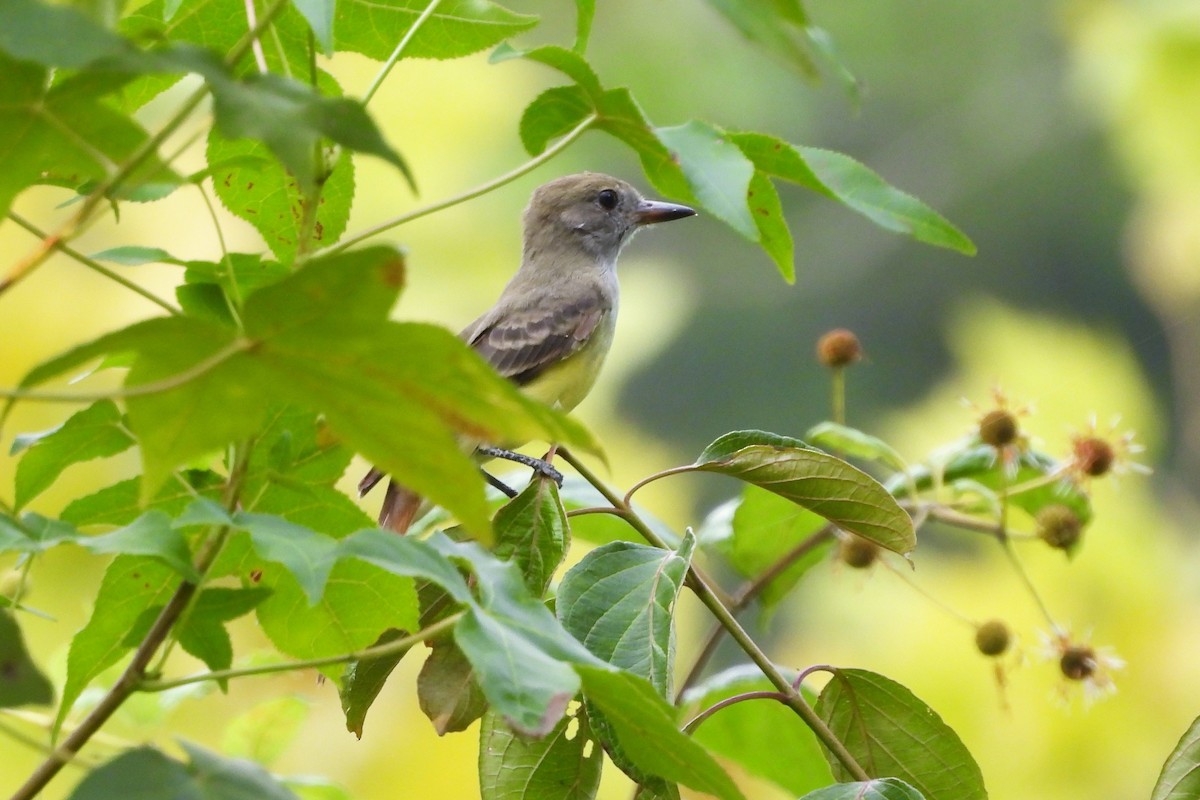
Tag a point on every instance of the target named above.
point(538, 465)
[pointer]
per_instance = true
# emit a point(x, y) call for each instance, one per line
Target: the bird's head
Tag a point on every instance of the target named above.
point(590, 214)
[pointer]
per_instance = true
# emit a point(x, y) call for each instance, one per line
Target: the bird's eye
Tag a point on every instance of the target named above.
point(607, 199)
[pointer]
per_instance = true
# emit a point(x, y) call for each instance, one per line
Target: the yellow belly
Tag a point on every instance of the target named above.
point(566, 384)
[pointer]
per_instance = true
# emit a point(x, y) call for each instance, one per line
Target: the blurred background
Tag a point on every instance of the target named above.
point(1063, 137)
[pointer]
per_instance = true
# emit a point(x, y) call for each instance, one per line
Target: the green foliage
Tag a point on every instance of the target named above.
point(247, 403)
point(145, 773)
point(883, 789)
point(565, 765)
point(21, 683)
point(618, 601)
point(1180, 779)
point(827, 486)
point(753, 734)
point(894, 734)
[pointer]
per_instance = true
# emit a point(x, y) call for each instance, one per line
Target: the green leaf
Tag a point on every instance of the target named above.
point(203, 633)
point(363, 681)
point(151, 535)
point(828, 486)
point(263, 192)
point(319, 15)
point(503, 596)
point(265, 732)
point(408, 558)
point(290, 117)
point(131, 585)
point(717, 171)
point(753, 733)
point(58, 135)
point(118, 504)
point(867, 193)
point(569, 62)
point(61, 36)
point(531, 530)
point(854, 443)
point(447, 691)
point(585, 12)
point(307, 555)
point(220, 778)
point(618, 601)
point(883, 789)
point(776, 158)
point(136, 255)
point(529, 688)
point(553, 113)
point(521, 656)
point(564, 765)
point(1180, 776)
point(456, 28)
point(34, 533)
point(891, 733)
point(359, 602)
point(238, 275)
point(190, 417)
point(779, 26)
point(140, 773)
point(216, 25)
point(21, 683)
point(978, 462)
point(644, 724)
point(766, 528)
point(774, 236)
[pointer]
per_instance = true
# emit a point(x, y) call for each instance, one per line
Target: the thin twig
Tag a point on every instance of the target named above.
point(434, 631)
point(92, 264)
point(470, 194)
point(138, 390)
point(399, 51)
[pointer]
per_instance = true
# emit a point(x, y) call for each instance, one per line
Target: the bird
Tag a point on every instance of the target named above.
point(552, 325)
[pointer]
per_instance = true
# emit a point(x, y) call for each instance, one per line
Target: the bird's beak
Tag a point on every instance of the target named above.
point(652, 211)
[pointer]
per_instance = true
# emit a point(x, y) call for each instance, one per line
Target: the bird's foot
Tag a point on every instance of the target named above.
point(496, 483)
point(538, 465)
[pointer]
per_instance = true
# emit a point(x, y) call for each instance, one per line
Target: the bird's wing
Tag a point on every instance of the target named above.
point(520, 345)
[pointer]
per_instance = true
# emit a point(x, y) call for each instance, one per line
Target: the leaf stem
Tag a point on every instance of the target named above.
point(154, 387)
point(93, 265)
point(709, 597)
point(666, 473)
point(696, 721)
point(399, 51)
point(470, 194)
point(436, 630)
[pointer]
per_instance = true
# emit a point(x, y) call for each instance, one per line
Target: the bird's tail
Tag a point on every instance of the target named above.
point(400, 505)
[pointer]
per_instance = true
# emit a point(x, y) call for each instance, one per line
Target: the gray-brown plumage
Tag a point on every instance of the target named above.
point(552, 325)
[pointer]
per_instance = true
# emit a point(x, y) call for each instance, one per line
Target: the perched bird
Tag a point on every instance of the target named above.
point(552, 326)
